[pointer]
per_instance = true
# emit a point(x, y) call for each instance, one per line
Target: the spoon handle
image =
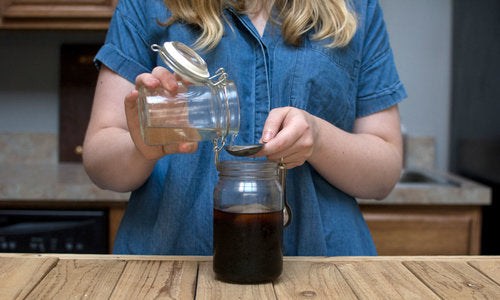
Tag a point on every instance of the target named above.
point(287, 216)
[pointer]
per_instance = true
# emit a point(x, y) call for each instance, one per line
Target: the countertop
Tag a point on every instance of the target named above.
point(69, 182)
point(446, 189)
point(31, 276)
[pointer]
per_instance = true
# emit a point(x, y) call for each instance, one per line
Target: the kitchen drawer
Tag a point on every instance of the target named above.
point(424, 230)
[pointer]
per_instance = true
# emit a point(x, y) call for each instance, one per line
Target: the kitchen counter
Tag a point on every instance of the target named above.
point(428, 213)
point(433, 187)
point(69, 182)
point(30, 276)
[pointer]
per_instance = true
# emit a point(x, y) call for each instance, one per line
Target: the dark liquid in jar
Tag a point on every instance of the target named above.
point(248, 246)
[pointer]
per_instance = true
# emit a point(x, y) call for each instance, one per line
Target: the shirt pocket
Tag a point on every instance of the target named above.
point(324, 83)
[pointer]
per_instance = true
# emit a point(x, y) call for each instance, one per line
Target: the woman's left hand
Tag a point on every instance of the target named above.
point(365, 163)
point(289, 133)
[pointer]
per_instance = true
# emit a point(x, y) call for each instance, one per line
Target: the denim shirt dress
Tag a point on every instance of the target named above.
point(171, 213)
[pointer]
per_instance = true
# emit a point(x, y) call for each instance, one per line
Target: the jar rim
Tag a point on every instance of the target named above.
point(249, 162)
point(247, 167)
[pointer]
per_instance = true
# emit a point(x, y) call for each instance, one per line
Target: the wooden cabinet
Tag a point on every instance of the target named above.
point(56, 14)
point(424, 230)
point(78, 77)
point(406, 230)
point(396, 230)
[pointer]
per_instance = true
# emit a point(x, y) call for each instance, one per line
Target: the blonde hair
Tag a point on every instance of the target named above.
point(326, 18)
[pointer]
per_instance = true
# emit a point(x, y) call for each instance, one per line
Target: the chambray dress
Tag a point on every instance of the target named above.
point(172, 212)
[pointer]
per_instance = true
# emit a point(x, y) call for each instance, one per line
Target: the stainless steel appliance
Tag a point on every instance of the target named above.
point(475, 112)
point(53, 231)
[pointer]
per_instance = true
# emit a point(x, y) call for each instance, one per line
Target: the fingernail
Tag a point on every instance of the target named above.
point(268, 135)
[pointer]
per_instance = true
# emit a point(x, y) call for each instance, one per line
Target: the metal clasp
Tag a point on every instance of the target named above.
point(222, 76)
point(217, 149)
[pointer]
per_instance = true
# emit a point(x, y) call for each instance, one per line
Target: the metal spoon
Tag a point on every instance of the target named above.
point(243, 150)
point(287, 211)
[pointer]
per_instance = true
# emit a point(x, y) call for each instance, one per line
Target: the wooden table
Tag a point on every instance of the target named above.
point(32, 276)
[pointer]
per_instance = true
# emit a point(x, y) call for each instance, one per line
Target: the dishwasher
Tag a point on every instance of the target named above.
point(53, 231)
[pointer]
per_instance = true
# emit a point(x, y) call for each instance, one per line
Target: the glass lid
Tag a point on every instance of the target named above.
point(183, 61)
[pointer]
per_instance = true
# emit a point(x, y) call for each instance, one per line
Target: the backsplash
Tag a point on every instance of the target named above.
point(420, 152)
point(28, 148)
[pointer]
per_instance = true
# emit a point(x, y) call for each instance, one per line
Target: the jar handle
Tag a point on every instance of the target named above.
point(217, 149)
point(287, 211)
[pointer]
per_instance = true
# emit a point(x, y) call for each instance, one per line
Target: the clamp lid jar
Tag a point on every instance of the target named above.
point(206, 108)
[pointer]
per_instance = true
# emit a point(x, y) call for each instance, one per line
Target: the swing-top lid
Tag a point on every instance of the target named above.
point(183, 61)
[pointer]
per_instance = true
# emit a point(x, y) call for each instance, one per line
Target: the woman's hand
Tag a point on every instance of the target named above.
point(114, 153)
point(289, 133)
point(365, 163)
point(158, 77)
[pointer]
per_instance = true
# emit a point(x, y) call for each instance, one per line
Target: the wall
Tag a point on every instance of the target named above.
point(420, 33)
point(29, 77)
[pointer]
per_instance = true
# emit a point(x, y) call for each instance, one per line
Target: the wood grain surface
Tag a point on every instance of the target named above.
point(306, 280)
point(384, 280)
point(52, 276)
point(157, 280)
point(210, 288)
point(455, 280)
point(18, 276)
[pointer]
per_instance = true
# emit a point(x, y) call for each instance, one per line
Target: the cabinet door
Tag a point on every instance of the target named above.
point(424, 230)
point(56, 14)
point(78, 78)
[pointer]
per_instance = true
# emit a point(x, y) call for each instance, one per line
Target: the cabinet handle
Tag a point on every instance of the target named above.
point(78, 150)
point(86, 59)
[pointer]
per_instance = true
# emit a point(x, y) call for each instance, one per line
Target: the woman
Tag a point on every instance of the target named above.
point(317, 83)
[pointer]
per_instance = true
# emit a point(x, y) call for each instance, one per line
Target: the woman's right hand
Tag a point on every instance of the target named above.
point(158, 77)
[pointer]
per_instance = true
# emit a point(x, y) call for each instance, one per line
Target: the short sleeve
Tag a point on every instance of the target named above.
point(126, 50)
point(379, 86)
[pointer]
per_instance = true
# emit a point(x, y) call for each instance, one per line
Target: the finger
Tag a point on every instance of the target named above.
point(131, 99)
point(166, 78)
point(292, 165)
point(147, 80)
point(132, 116)
point(188, 147)
point(286, 155)
point(181, 79)
point(283, 144)
point(273, 124)
point(131, 110)
point(293, 160)
point(180, 148)
point(170, 149)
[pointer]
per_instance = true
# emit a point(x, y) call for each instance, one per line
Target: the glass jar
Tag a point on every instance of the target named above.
point(201, 110)
point(248, 222)
point(196, 113)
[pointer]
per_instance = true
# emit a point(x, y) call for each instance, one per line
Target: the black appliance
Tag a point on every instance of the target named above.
point(475, 112)
point(53, 231)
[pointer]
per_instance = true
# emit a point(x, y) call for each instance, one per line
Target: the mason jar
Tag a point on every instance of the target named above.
point(248, 222)
point(204, 108)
